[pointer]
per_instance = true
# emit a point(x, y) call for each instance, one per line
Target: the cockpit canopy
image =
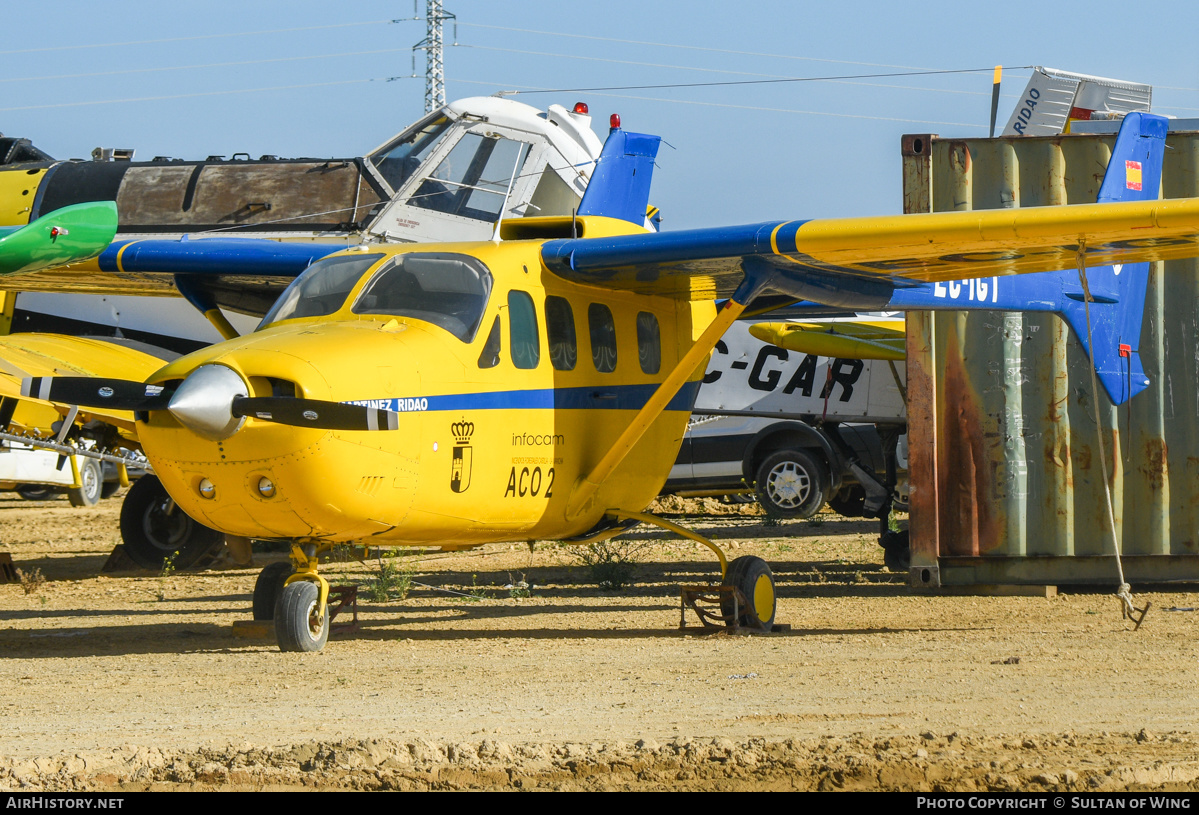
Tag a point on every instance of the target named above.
point(446, 289)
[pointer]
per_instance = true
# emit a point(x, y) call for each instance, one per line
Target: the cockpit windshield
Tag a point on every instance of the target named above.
point(321, 289)
point(444, 289)
point(399, 160)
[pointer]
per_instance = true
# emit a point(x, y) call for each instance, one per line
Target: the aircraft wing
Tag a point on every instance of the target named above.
point(64, 236)
point(858, 262)
point(45, 355)
point(844, 339)
point(244, 274)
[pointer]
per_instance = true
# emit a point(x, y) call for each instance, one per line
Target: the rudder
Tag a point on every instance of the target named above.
point(1118, 292)
point(619, 186)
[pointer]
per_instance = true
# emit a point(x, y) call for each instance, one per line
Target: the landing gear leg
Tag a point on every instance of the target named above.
point(747, 575)
point(302, 605)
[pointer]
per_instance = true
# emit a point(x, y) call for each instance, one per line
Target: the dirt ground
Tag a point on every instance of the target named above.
point(138, 682)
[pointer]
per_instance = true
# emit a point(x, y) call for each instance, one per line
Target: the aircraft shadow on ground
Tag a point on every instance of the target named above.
point(739, 526)
point(208, 638)
point(657, 582)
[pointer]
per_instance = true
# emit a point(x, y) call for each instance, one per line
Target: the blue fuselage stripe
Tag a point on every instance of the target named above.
point(599, 397)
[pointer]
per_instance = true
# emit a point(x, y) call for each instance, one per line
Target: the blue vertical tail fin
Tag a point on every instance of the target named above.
point(619, 186)
point(1118, 292)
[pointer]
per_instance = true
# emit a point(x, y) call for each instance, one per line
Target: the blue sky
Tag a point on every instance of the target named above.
point(306, 78)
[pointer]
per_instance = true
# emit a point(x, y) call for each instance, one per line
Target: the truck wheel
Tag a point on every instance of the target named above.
point(753, 577)
point(791, 484)
point(153, 528)
point(849, 501)
point(267, 588)
point(91, 484)
point(897, 551)
point(35, 492)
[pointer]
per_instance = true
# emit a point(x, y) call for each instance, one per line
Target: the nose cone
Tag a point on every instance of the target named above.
point(204, 402)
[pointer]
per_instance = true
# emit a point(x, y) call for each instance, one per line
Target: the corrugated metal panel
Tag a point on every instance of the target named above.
point(1007, 484)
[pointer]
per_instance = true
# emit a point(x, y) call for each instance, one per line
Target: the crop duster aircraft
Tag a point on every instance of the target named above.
point(536, 386)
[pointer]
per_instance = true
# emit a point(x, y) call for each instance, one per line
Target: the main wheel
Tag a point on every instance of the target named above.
point(299, 625)
point(753, 577)
point(791, 484)
point(267, 588)
point(849, 501)
point(153, 528)
point(91, 484)
point(110, 489)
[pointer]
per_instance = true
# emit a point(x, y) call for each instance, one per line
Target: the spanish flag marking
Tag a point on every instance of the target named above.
point(1132, 175)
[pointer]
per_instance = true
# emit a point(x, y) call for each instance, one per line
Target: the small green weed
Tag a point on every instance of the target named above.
point(394, 578)
point(476, 592)
point(168, 569)
point(518, 589)
point(611, 563)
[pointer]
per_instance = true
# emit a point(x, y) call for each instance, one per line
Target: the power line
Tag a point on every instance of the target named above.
point(197, 37)
point(205, 93)
point(725, 105)
point(688, 47)
point(730, 83)
point(204, 65)
point(775, 77)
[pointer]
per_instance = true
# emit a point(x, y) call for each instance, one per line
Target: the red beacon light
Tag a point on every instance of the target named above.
point(581, 107)
point(614, 121)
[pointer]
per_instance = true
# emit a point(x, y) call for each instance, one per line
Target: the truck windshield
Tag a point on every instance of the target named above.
point(447, 290)
point(399, 160)
point(321, 289)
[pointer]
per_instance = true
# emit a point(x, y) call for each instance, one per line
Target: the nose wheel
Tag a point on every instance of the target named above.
point(301, 599)
point(301, 617)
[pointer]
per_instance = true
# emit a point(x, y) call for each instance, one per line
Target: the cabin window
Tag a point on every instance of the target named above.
point(489, 357)
point(603, 337)
point(448, 290)
point(522, 330)
point(399, 160)
point(560, 330)
point(472, 181)
point(649, 343)
point(321, 289)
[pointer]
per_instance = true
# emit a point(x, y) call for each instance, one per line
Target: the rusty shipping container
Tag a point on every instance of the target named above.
point(1007, 486)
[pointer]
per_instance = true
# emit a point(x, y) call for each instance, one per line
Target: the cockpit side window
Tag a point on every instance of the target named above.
point(321, 289)
point(473, 179)
point(447, 290)
point(522, 329)
point(399, 160)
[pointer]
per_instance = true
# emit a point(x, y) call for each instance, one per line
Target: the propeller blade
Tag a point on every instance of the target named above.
point(995, 97)
point(315, 413)
point(88, 391)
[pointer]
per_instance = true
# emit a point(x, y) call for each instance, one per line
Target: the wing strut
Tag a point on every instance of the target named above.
point(757, 277)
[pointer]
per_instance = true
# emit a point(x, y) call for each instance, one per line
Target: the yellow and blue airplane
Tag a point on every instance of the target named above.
point(536, 386)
